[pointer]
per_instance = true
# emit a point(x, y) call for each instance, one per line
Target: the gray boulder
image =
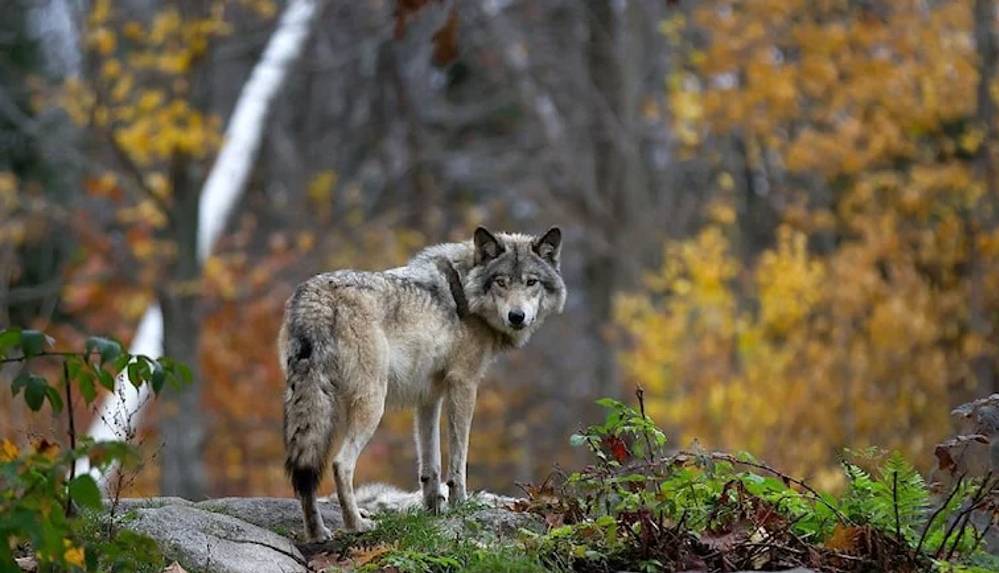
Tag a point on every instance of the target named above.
point(201, 540)
point(278, 514)
point(491, 524)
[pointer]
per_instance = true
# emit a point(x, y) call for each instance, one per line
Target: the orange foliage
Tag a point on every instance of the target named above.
point(863, 123)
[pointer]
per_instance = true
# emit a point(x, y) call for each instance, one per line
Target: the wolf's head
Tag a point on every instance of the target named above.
point(515, 282)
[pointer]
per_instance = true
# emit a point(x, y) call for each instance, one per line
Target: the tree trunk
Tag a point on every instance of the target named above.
point(983, 214)
point(619, 173)
point(182, 471)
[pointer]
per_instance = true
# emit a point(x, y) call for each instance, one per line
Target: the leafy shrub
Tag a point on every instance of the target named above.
point(47, 511)
point(638, 508)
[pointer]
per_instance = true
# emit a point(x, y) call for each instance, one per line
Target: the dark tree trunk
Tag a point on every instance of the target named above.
point(182, 471)
point(983, 215)
point(619, 174)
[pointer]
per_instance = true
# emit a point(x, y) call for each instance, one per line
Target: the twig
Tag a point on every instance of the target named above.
point(965, 515)
point(971, 506)
point(937, 511)
point(640, 394)
point(72, 430)
point(981, 535)
point(47, 355)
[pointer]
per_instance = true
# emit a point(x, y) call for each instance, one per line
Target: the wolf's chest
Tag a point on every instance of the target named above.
point(413, 362)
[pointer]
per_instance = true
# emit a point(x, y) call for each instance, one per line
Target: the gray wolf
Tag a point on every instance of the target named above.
point(353, 343)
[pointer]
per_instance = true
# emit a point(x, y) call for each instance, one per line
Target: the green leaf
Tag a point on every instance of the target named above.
point(9, 338)
point(105, 378)
point(19, 382)
point(55, 400)
point(577, 440)
point(120, 362)
point(158, 377)
point(32, 342)
point(85, 381)
point(80, 373)
point(107, 348)
point(609, 403)
point(35, 391)
point(185, 373)
point(84, 491)
point(139, 371)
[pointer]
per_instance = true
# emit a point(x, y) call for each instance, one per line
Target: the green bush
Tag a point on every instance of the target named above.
point(46, 511)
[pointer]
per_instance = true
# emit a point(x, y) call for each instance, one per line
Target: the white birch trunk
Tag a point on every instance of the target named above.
point(222, 190)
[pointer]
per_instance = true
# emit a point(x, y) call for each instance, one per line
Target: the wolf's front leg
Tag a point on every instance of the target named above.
point(460, 408)
point(428, 447)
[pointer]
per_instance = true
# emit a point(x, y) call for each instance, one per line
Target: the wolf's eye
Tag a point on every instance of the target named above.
point(532, 282)
point(500, 282)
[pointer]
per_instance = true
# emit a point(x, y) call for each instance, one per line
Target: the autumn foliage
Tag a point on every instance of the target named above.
point(871, 307)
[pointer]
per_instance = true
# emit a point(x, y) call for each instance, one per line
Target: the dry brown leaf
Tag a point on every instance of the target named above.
point(174, 568)
point(844, 538)
point(368, 554)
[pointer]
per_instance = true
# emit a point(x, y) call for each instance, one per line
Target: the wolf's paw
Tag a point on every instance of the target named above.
point(364, 524)
point(324, 534)
point(434, 503)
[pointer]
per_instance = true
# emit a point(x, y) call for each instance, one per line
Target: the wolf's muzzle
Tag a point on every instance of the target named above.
point(516, 318)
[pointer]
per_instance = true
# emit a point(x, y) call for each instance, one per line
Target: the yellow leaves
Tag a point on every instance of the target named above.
point(149, 100)
point(134, 31)
point(164, 128)
point(8, 451)
point(320, 190)
point(722, 212)
point(74, 555)
point(8, 189)
point(971, 140)
point(685, 103)
point(672, 27)
point(219, 278)
point(263, 8)
point(166, 24)
point(789, 283)
point(100, 12)
point(103, 40)
point(77, 100)
point(111, 69)
point(105, 186)
point(145, 212)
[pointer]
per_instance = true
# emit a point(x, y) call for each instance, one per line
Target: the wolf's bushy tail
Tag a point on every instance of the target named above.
point(309, 409)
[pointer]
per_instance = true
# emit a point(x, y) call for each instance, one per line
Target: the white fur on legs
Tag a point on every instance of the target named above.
point(428, 447)
point(460, 408)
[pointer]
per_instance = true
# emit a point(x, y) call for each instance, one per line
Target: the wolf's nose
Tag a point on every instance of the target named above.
point(516, 317)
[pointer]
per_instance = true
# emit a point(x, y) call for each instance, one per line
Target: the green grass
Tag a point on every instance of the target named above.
point(419, 546)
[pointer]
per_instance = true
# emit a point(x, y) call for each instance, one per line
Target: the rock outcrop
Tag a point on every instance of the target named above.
point(264, 534)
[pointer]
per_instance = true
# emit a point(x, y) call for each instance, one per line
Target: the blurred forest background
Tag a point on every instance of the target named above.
point(780, 215)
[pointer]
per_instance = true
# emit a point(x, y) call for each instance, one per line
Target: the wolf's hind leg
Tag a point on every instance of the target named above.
point(308, 430)
point(315, 529)
point(428, 447)
point(362, 420)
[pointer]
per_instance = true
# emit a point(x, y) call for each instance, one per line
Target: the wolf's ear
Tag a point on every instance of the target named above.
point(487, 247)
point(549, 246)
